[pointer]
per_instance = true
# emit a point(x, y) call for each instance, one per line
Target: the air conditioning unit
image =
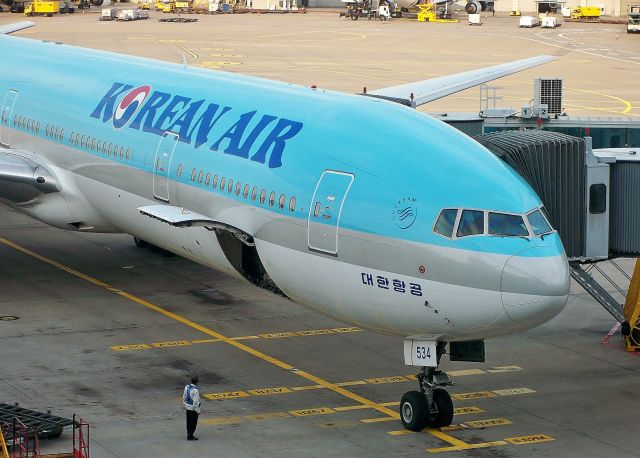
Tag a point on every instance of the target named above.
point(548, 91)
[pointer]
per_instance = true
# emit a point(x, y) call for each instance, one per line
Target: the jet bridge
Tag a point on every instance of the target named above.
point(591, 198)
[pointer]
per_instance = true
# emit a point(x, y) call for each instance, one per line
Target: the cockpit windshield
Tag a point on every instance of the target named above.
point(538, 223)
point(508, 225)
point(460, 222)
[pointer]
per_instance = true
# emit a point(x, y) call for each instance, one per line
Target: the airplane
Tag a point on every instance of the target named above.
point(413, 230)
point(470, 6)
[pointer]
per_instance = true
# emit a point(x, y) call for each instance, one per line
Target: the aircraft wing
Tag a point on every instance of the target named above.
point(10, 28)
point(421, 92)
point(22, 179)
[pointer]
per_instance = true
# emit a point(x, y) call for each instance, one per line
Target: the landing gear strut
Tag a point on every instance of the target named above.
point(432, 405)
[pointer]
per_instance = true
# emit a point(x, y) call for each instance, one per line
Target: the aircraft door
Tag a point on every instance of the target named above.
point(5, 117)
point(162, 166)
point(325, 210)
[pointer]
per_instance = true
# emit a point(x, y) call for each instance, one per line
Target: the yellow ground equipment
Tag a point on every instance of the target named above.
point(632, 311)
point(427, 13)
point(182, 7)
point(159, 6)
point(4, 453)
point(40, 8)
point(585, 13)
point(145, 6)
point(168, 7)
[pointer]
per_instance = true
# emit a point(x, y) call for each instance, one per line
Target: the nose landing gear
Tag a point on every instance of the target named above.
point(432, 405)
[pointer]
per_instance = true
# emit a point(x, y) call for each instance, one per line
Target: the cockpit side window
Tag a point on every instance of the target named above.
point(508, 225)
point(446, 221)
point(471, 223)
point(538, 223)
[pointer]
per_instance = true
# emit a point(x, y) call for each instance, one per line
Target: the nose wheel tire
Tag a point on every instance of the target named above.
point(444, 407)
point(140, 243)
point(414, 411)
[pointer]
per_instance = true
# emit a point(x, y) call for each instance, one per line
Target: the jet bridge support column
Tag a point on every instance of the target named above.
point(632, 310)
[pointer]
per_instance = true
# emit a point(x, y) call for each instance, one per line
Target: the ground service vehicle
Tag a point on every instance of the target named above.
point(633, 19)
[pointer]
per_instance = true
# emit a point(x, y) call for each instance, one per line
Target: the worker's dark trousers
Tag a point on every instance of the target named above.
point(192, 422)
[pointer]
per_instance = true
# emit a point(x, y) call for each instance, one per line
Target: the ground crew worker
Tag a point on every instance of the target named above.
point(191, 400)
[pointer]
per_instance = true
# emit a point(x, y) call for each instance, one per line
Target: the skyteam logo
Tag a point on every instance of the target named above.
point(129, 105)
point(405, 212)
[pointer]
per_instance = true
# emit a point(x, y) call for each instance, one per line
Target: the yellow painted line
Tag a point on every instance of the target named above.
point(268, 391)
point(474, 395)
point(268, 416)
point(312, 412)
point(226, 395)
point(466, 447)
point(355, 382)
point(345, 330)
point(315, 332)
point(529, 439)
point(467, 410)
point(278, 335)
point(389, 404)
point(239, 345)
point(466, 372)
point(221, 421)
point(488, 423)
point(513, 391)
point(306, 388)
point(377, 420)
point(395, 379)
point(171, 343)
point(626, 103)
point(500, 369)
point(347, 408)
point(130, 347)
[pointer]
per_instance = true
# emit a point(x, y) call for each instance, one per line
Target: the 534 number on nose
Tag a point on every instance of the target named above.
point(420, 352)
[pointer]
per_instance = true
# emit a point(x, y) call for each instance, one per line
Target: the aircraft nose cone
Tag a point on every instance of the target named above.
point(535, 285)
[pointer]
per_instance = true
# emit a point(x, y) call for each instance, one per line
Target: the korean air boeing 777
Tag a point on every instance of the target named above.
point(413, 230)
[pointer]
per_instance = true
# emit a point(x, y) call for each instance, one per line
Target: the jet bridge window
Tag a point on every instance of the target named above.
point(597, 198)
point(538, 223)
point(507, 225)
point(446, 221)
point(471, 223)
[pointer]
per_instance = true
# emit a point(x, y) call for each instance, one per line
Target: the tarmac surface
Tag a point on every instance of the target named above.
point(112, 332)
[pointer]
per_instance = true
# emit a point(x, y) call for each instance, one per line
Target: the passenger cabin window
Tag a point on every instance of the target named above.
point(215, 181)
point(507, 225)
point(254, 193)
point(207, 179)
point(263, 195)
point(272, 199)
point(245, 193)
point(238, 188)
point(292, 204)
point(179, 172)
point(446, 221)
point(471, 223)
point(538, 224)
